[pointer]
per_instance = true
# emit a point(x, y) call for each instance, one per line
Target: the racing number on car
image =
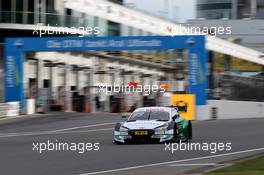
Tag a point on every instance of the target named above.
point(141, 132)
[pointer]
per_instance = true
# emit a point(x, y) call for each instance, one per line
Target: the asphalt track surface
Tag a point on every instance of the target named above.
point(18, 135)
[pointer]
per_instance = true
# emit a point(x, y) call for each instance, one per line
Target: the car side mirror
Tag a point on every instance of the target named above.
point(175, 117)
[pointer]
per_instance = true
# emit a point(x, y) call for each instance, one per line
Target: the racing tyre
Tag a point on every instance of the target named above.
point(175, 135)
point(189, 132)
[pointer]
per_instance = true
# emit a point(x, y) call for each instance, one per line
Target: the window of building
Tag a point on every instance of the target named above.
point(19, 11)
point(50, 6)
point(30, 12)
point(130, 31)
point(236, 79)
point(5, 11)
point(113, 29)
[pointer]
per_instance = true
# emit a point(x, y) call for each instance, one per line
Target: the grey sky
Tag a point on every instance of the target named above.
point(178, 10)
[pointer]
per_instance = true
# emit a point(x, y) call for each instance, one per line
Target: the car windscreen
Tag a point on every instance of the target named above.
point(149, 115)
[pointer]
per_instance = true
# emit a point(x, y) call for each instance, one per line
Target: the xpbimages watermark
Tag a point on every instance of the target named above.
point(41, 30)
point(192, 28)
point(50, 146)
point(212, 147)
point(132, 87)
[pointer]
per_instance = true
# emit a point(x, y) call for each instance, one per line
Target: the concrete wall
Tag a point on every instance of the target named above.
point(225, 109)
point(203, 112)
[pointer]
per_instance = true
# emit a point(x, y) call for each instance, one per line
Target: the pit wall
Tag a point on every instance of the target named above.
point(226, 109)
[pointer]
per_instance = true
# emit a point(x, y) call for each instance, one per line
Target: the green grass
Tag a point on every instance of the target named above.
point(253, 166)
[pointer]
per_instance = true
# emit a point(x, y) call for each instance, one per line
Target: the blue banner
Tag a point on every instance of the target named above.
point(15, 49)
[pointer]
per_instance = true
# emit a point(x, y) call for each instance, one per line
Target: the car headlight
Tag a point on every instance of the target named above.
point(123, 130)
point(160, 130)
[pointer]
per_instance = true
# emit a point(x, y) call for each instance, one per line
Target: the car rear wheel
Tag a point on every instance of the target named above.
point(189, 132)
point(175, 134)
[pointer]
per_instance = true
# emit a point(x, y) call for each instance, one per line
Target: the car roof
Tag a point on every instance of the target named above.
point(167, 109)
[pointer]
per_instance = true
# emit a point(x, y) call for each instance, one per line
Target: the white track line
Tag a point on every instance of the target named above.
point(49, 133)
point(86, 126)
point(199, 164)
point(16, 117)
point(176, 161)
point(27, 116)
point(195, 164)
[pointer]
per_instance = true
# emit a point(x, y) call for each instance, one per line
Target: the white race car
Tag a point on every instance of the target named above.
point(159, 124)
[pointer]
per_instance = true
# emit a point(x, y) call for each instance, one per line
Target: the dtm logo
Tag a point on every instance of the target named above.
point(185, 104)
point(12, 73)
point(182, 106)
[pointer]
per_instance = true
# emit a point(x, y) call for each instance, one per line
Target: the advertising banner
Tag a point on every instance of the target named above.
point(185, 104)
point(15, 49)
point(197, 77)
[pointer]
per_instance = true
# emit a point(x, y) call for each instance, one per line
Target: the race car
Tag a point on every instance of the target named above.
point(160, 124)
